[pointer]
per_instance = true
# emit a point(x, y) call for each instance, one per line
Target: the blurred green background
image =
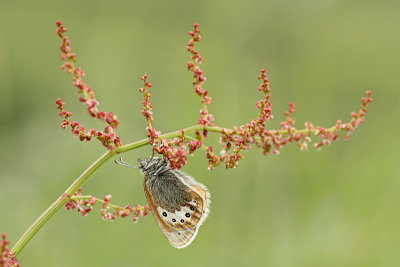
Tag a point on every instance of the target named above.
point(334, 207)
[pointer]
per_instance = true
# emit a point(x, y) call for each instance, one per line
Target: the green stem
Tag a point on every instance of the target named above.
point(191, 129)
point(46, 215)
point(102, 201)
point(41, 221)
point(97, 200)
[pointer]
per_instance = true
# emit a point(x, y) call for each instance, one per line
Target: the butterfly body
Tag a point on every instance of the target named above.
point(179, 203)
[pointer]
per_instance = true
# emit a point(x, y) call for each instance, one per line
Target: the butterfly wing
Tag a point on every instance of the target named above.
point(181, 226)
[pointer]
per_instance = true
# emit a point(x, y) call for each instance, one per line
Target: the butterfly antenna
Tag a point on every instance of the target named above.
point(123, 163)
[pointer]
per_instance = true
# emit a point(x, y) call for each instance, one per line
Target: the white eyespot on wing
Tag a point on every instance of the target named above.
point(198, 188)
point(189, 216)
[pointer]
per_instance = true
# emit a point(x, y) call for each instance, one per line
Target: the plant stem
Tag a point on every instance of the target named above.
point(97, 200)
point(116, 207)
point(46, 215)
point(144, 142)
point(41, 221)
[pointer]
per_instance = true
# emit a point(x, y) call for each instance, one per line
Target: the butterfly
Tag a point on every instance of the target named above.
point(178, 202)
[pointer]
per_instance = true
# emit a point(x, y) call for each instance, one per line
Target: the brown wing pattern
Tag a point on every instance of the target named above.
point(159, 221)
point(180, 227)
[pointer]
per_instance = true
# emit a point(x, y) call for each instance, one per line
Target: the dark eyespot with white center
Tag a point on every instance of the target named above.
point(192, 208)
point(164, 214)
point(173, 220)
point(187, 215)
point(182, 221)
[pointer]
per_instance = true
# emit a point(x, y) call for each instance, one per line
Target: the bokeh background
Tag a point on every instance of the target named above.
point(334, 207)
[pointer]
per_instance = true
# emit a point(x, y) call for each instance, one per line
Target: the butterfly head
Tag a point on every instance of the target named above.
point(152, 166)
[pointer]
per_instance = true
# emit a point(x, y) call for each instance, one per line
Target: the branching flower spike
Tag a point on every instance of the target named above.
point(177, 145)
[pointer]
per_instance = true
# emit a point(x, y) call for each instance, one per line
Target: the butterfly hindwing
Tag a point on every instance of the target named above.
point(180, 227)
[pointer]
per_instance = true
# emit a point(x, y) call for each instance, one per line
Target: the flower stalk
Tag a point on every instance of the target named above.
point(60, 202)
point(176, 145)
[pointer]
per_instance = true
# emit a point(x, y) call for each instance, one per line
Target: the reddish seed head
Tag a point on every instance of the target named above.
point(86, 96)
point(176, 150)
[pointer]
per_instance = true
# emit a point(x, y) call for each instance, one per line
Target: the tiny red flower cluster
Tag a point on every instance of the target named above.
point(147, 109)
point(240, 138)
point(105, 209)
point(173, 150)
point(177, 149)
point(233, 141)
point(273, 141)
point(84, 204)
point(205, 118)
point(124, 212)
point(264, 105)
point(246, 134)
point(332, 134)
point(108, 137)
point(7, 259)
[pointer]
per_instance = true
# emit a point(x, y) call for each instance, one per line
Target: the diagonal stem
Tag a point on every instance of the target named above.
point(47, 214)
point(41, 221)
